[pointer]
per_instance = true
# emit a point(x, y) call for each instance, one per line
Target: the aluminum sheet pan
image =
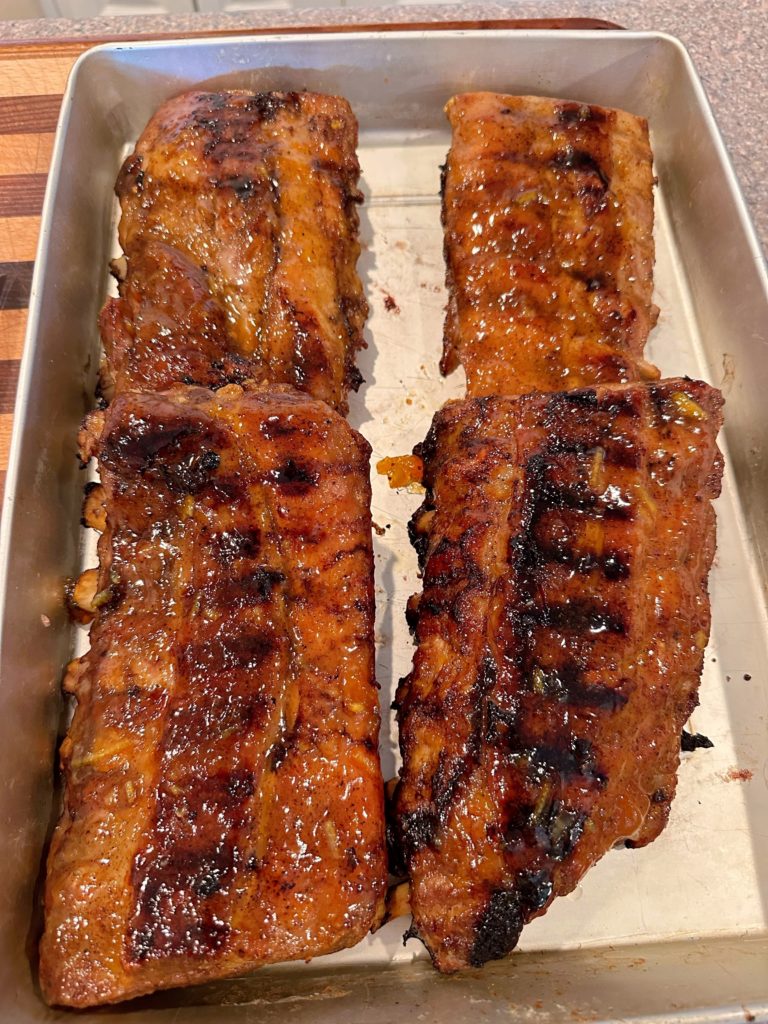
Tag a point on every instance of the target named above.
point(680, 926)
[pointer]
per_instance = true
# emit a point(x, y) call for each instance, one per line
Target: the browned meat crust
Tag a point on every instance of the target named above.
point(239, 224)
point(223, 805)
point(548, 215)
point(566, 541)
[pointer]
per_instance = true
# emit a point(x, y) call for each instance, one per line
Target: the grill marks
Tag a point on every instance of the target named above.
point(240, 231)
point(237, 661)
point(222, 758)
point(548, 215)
point(551, 655)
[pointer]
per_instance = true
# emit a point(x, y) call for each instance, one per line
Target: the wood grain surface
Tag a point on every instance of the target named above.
point(33, 76)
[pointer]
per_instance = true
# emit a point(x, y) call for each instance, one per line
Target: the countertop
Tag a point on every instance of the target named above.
point(728, 43)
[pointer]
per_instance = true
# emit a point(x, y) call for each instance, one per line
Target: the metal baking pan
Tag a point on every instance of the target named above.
point(677, 931)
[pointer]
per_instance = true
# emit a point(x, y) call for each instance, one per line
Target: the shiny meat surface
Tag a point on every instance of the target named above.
point(566, 541)
point(548, 216)
point(223, 804)
point(239, 224)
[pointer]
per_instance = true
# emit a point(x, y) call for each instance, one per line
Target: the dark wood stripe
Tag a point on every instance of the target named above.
point(20, 115)
point(15, 284)
point(21, 195)
point(9, 378)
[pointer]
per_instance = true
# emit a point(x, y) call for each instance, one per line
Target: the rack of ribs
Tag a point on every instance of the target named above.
point(548, 217)
point(223, 803)
point(239, 231)
point(565, 541)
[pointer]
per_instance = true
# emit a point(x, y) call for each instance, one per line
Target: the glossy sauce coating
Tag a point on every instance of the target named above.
point(566, 541)
point(239, 225)
point(223, 802)
point(548, 217)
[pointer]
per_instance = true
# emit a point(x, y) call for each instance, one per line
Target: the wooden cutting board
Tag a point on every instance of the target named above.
point(32, 80)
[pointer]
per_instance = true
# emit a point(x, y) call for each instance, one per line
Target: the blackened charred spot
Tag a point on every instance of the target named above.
point(260, 584)
point(507, 910)
point(231, 545)
point(554, 829)
point(137, 444)
point(615, 566)
point(131, 176)
point(418, 537)
point(566, 684)
point(583, 163)
point(536, 888)
point(294, 478)
point(574, 757)
point(267, 105)
point(332, 170)
point(190, 474)
point(659, 796)
point(561, 830)
point(627, 403)
point(249, 651)
point(443, 178)
point(242, 185)
point(612, 564)
point(586, 398)
point(447, 776)
point(500, 724)
point(141, 944)
point(208, 882)
point(417, 830)
point(395, 857)
point(178, 455)
point(275, 427)
point(354, 378)
point(579, 114)
point(694, 741)
point(412, 612)
point(577, 616)
point(578, 498)
point(278, 754)
point(448, 565)
point(252, 588)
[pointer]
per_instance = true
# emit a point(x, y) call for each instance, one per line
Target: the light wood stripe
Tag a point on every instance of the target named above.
point(6, 425)
point(26, 154)
point(13, 323)
point(38, 76)
point(32, 50)
point(18, 238)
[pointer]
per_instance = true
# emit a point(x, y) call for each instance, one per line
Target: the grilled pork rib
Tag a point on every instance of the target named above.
point(566, 541)
point(239, 224)
point(223, 803)
point(548, 216)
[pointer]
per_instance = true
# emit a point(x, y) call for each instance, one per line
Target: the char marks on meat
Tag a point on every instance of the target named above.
point(548, 216)
point(239, 225)
point(565, 540)
point(223, 801)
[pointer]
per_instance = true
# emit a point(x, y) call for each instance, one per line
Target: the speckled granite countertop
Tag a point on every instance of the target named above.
point(728, 43)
